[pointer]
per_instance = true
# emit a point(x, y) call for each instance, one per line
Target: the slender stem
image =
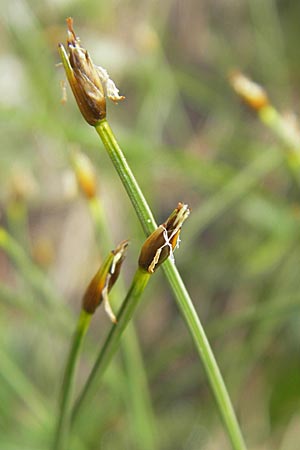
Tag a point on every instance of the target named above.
point(284, 129)
point(111, 344)
point(288, 134)
point(141, 412)
point(133, 190)
point(62, 429)
point(204, 349)
point(144, 426)
point(102, 231)
point(182, 297)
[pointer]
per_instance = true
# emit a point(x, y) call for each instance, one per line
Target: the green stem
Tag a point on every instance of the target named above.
point(133, 190)
point(103, 236)
point(182, 297)
point(143, 422)
point(63, 423)
point(288, 134)
point(138, 395)
point(111, 344)
point(281, 127)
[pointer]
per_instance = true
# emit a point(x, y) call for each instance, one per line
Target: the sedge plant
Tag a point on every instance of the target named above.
point(142, 418)
point(96, 293)
point(284, 128)
point(91, 86)
point(156, 249)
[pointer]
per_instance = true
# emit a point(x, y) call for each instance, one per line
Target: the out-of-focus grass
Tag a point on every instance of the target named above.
point(187, 137)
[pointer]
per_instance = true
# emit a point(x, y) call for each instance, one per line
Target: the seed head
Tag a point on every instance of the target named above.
point(85, 174)
point(252, 93)
point(164, 240)
point(90, 84)
point(102, 282)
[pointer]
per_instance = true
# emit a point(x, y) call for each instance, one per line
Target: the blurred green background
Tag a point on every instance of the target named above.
point(187, 138)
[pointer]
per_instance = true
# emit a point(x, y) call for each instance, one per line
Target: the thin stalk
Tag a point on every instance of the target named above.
point(100, 226)
point(112, 341)
point(182, 297)
point(288, 134)
point(133, 190)
point(284, 129)
point(63, 423)
point(143, 421)
point(137, 391)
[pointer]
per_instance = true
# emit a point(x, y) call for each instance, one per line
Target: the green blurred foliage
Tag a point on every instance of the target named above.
point(188, 138)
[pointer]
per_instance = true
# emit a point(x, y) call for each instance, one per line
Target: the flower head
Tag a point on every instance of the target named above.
point(252, 93)
point(102, 282)
point(85, 174)
point(90, 84)
point(164, 240)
